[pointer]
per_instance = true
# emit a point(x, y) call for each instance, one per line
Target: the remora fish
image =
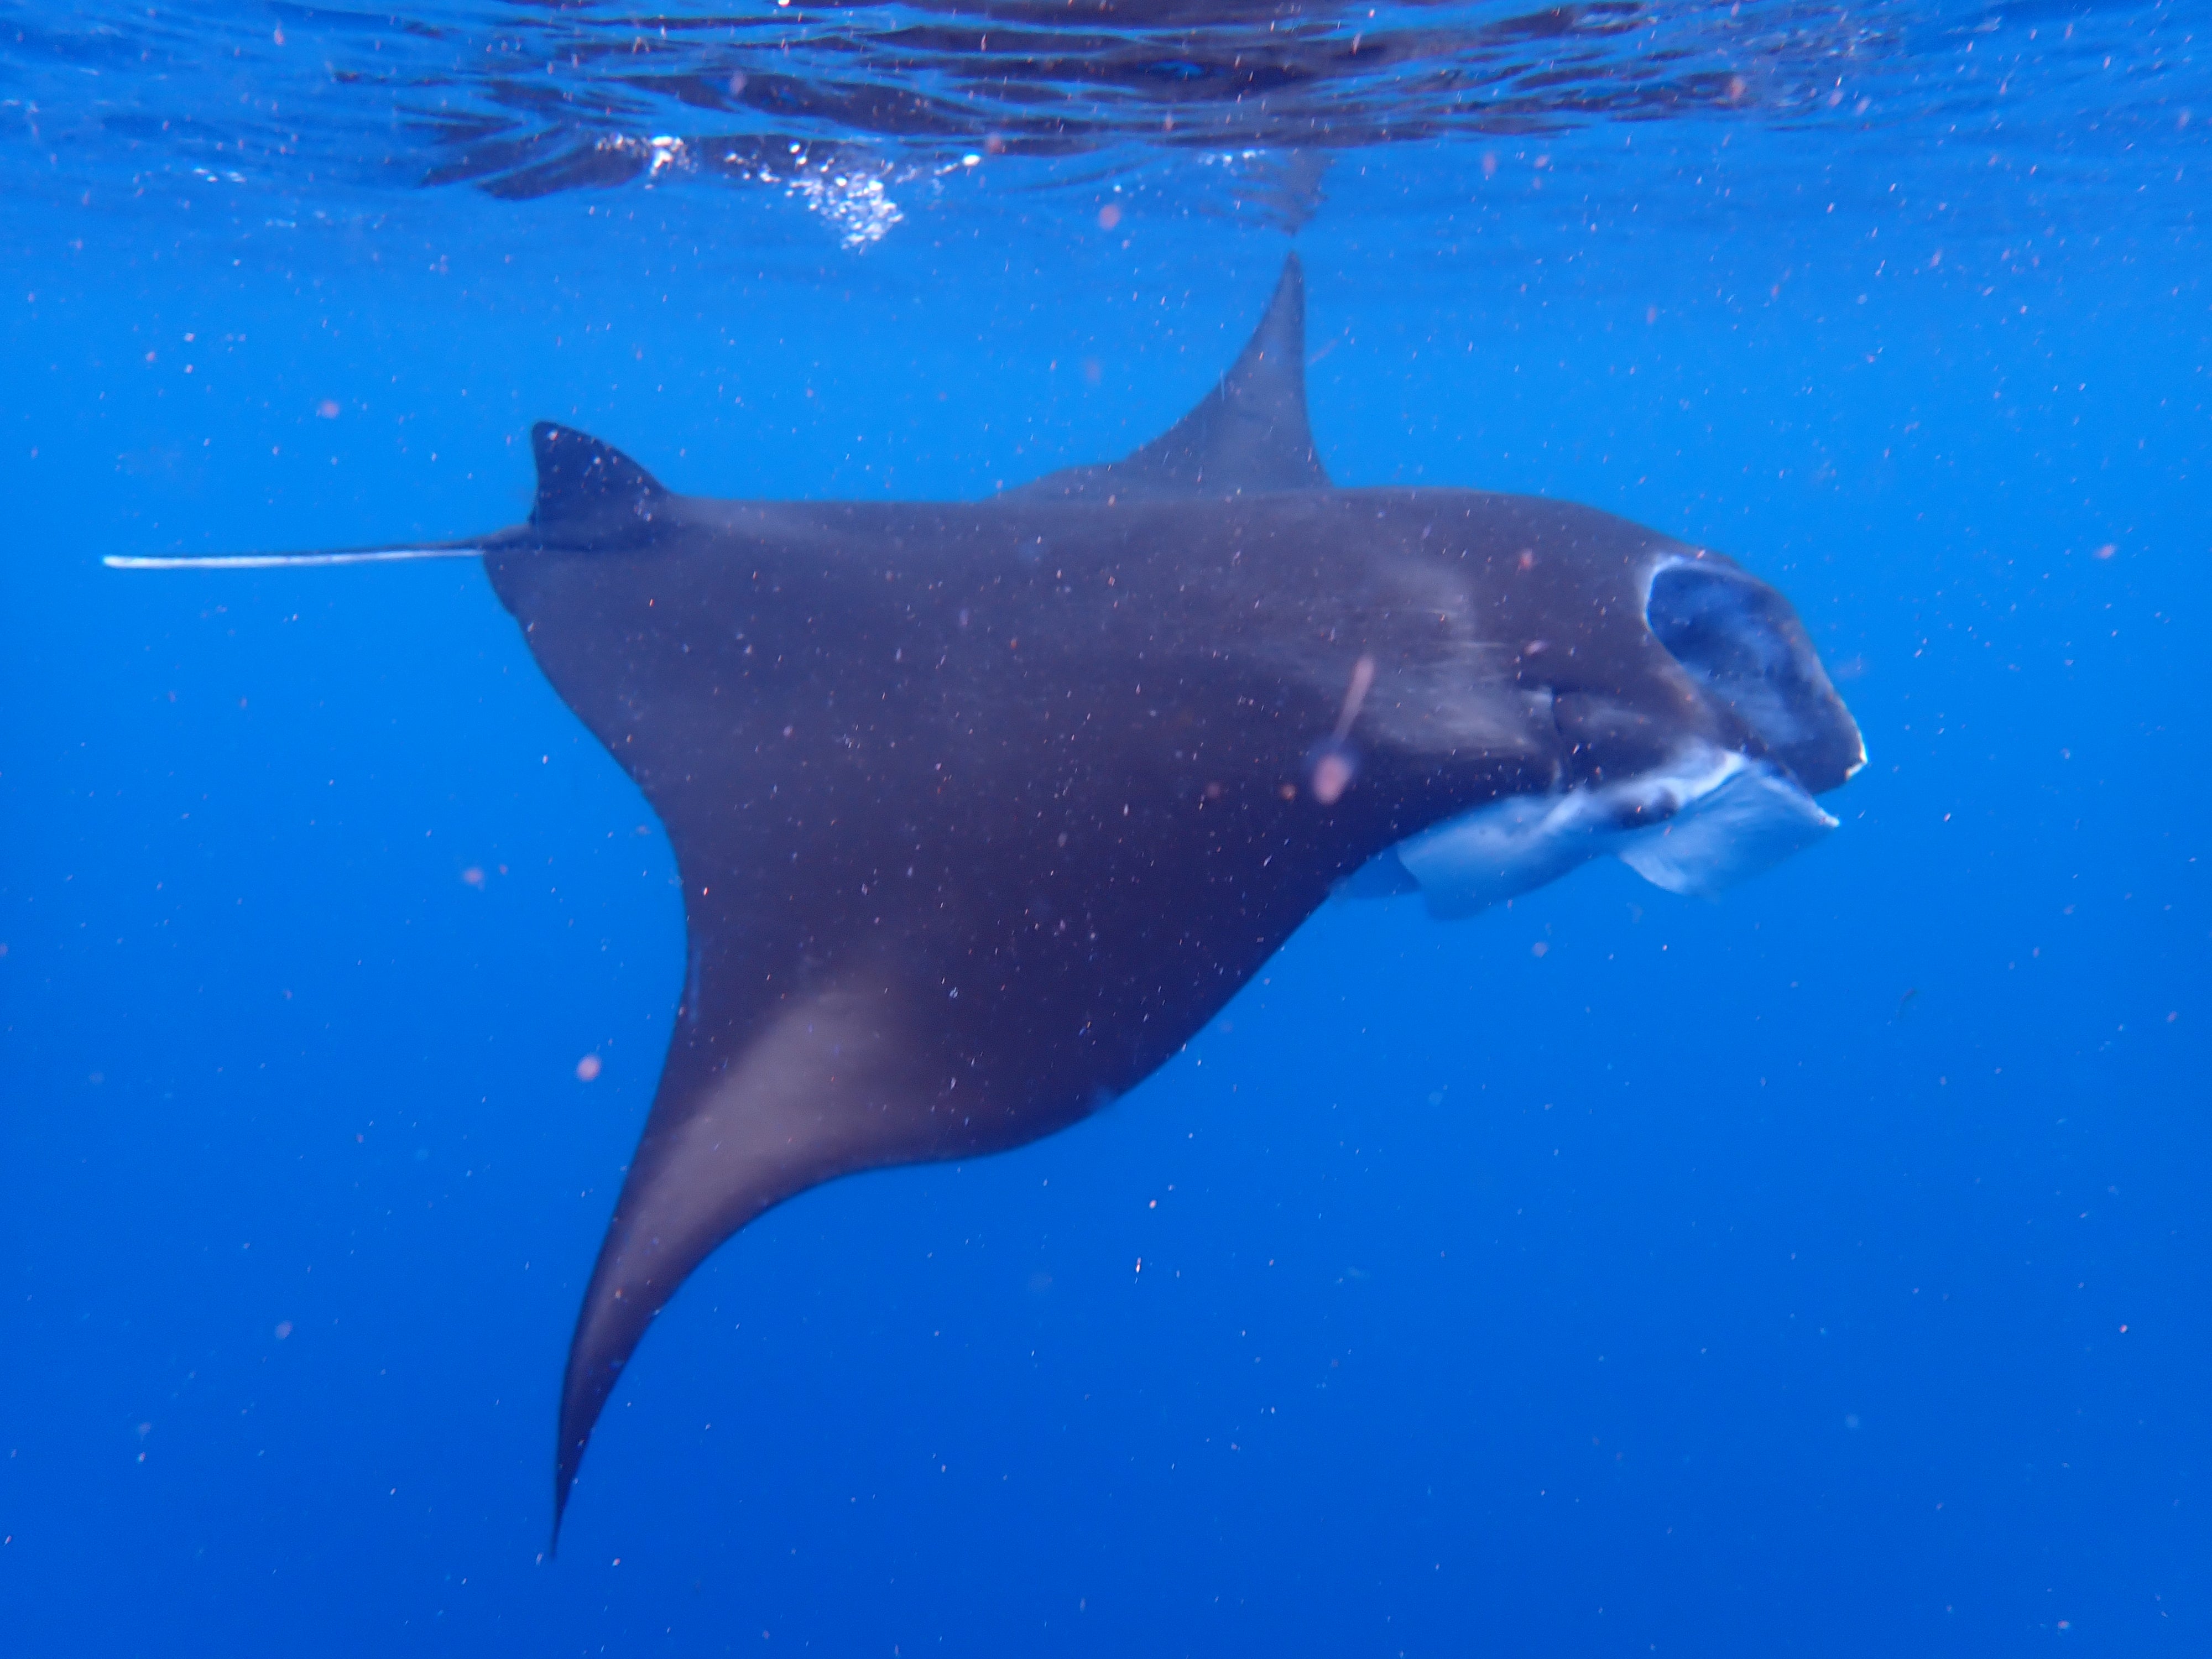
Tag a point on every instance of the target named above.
point(982, 811)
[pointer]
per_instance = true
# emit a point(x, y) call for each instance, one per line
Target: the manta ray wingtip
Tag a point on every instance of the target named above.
point(833, 1082)
point(562, 1483)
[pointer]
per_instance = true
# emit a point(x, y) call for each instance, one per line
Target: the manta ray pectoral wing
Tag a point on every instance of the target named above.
point(1248, 436)
point(831, 1083)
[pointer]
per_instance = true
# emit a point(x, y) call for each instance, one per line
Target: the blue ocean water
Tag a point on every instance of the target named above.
point(1820, 1270)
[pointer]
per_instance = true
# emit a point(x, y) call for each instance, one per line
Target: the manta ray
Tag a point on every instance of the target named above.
point(982, 811)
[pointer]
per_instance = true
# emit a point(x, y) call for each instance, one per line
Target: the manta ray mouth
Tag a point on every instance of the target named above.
point(1739, 640)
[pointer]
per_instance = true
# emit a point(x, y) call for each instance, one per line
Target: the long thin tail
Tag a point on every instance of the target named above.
point(278, 561)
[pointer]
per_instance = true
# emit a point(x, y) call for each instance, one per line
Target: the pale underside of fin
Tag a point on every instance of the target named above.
point(1712, 819)
point(1750, 821)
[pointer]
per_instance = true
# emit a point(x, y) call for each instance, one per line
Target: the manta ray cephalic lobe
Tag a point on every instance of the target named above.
point(982, 811)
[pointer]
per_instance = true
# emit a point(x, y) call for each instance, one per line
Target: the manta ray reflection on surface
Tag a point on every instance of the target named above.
point(982, 811)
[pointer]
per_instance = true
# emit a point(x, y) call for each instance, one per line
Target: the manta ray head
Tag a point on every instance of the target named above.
point(1695, 727)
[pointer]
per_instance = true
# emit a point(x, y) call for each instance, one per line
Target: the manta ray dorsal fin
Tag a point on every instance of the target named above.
point(585, 486)
point(1248, 436)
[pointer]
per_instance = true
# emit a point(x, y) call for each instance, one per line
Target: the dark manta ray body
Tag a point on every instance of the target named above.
point(982, 811)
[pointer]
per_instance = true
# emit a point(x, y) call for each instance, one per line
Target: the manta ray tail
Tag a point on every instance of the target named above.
point(589, 494)
point(278, 561)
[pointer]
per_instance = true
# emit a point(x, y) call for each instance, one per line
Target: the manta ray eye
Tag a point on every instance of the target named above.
point(1741, 640)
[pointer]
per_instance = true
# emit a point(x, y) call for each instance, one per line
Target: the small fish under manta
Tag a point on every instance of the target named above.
point(983, 810)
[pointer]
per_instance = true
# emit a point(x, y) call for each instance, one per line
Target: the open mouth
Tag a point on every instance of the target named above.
point(1743, 645)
